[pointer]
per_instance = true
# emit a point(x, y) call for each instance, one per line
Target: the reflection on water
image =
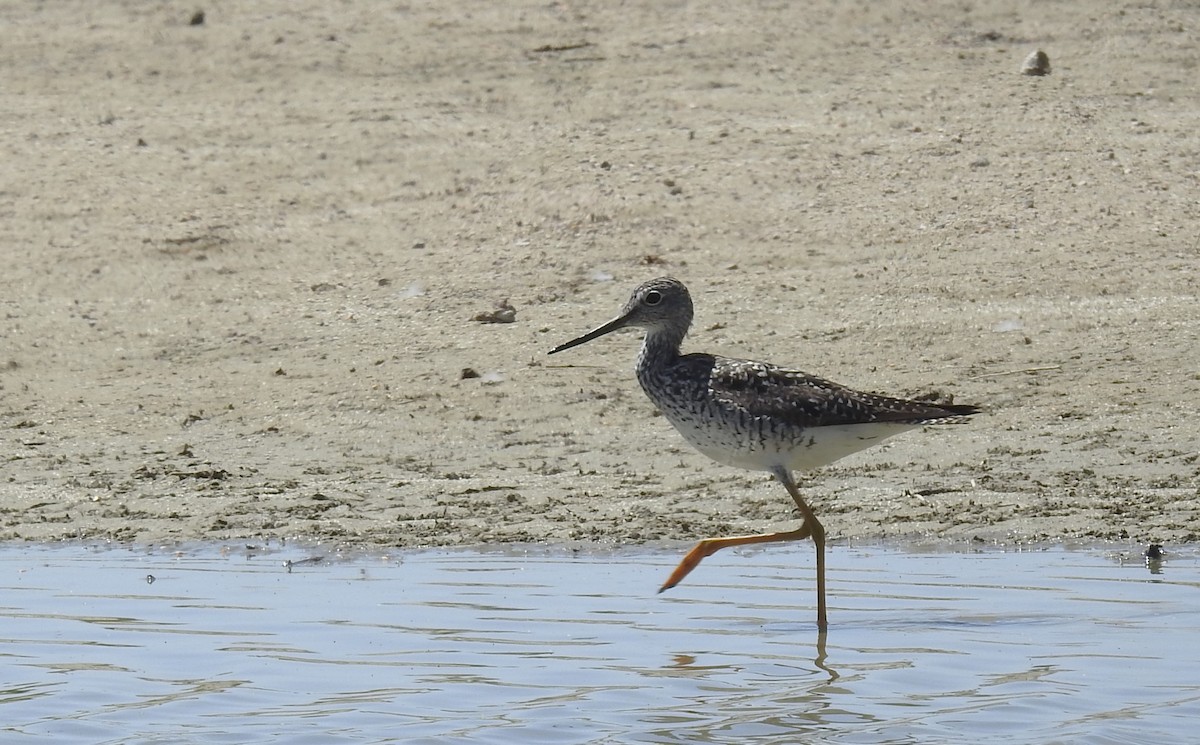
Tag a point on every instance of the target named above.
point(539, 645)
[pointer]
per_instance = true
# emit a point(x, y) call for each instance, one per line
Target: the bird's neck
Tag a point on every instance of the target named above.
point(660, 348)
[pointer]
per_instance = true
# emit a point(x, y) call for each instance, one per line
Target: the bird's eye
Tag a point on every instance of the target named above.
point(654, 297)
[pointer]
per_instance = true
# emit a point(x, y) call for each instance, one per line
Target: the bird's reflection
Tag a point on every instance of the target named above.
point(683, 661)
point(822, 655)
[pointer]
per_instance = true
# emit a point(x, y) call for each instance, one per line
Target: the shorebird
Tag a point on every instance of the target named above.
point(755, 415)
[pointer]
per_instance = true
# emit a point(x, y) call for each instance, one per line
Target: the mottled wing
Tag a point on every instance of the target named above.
point(802, 400)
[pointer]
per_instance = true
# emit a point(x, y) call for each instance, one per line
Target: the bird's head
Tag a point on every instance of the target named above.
point(659, 305)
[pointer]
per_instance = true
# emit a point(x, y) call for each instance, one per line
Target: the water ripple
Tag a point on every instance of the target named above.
point(536, 645)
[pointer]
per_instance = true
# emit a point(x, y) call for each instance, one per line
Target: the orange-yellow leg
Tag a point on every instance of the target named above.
point(710, 546)
point(811, 528)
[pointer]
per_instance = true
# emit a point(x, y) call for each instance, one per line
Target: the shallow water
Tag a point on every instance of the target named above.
point(106, 645)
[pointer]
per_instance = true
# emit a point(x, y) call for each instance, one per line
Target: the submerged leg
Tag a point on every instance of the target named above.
point(818, 537)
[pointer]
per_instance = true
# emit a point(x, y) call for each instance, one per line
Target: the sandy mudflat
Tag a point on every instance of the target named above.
point(242, 258)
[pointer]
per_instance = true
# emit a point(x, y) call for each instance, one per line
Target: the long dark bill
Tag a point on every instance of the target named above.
point(611, 326)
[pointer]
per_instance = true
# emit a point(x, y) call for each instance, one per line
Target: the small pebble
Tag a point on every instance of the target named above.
point(504, 313)
point(1037, 63)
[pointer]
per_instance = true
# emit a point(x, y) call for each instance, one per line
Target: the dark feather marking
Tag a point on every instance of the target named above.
point(796, 399)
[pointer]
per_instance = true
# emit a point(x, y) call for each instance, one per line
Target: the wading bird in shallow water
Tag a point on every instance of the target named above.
point(755, 415)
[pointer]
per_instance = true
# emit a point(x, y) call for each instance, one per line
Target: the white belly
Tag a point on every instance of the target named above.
point(797, 451)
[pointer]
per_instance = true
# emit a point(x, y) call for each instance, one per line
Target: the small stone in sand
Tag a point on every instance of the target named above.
point(504, 313)
point(1037, 63)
